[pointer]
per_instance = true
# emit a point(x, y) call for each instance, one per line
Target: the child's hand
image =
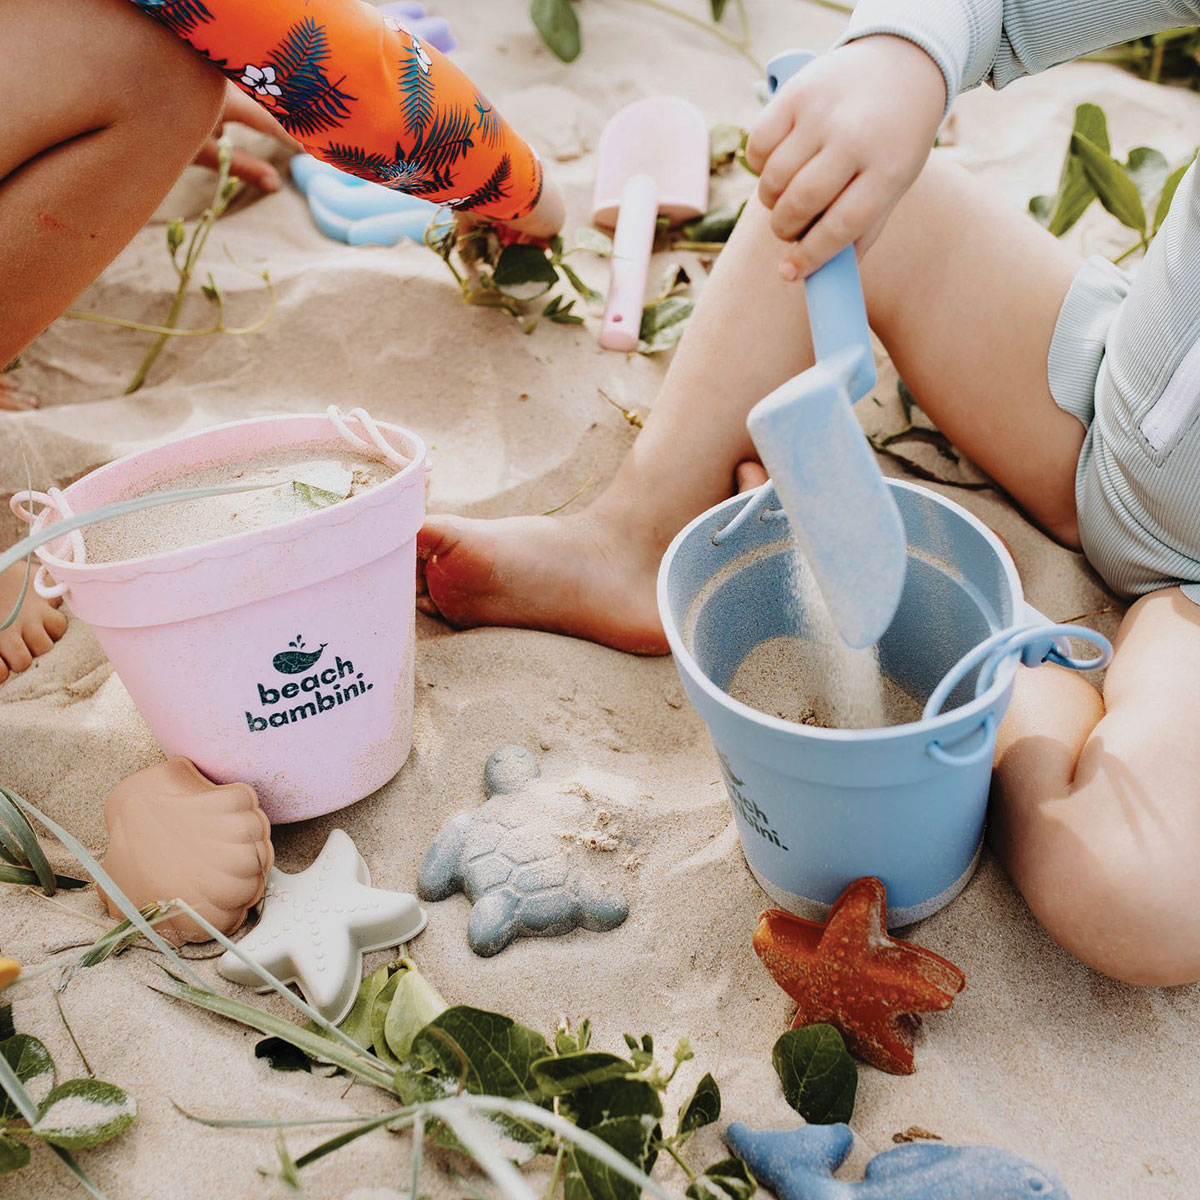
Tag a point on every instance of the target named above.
point(841, 142)
point(242, 164)
point(547, 217)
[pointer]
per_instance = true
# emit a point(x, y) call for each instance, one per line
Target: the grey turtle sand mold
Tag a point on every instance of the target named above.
point(511, 865)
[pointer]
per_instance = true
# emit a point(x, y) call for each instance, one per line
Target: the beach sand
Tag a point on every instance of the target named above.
point(1096, 1081)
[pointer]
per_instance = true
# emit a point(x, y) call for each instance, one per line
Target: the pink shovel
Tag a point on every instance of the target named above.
point(653, 158)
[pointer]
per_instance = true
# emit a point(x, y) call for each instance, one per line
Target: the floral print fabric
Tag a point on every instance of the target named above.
point(366, 95)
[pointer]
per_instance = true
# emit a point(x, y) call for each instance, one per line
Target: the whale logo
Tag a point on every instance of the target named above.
point(296, 660)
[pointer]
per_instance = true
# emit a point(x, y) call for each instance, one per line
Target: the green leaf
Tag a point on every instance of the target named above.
point(316, 497)
point(556, 21)
point(1170, 187)
point(568, 1073)
point(703, 1108)
point(378, 1019)
point(21, 843)
point(1118, 193)
point(524, 272)
point(7, 1028)
point(357, 1022)
point(818, 1075)
point(175, 236)
point(588, 293)
point(1148, 168)
point(84, 1112)
point(566, 1042)
point(493, 1056)
point(499, 1053)
point(32, 1065)
point(282, 1056)
point(415, 1002)
point(729, 1179)
point(30, 878)
point(718, 9)
point(723, 143)
point(118, 938)
point(288, 1175)
point(717, 225)
point(13, 1155)
point(587, 238)
point(611, 1099)
point(1075, 191)
point(662, 324)
point(588, 1179)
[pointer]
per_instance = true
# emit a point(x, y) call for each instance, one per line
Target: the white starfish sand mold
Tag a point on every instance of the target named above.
point(316, 926)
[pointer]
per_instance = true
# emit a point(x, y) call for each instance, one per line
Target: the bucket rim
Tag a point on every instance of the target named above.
point(976, 707)
point(237, 543)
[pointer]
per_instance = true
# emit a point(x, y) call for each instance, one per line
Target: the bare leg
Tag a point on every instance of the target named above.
point(1096, 805)
point(963, 291)
point(103, 110)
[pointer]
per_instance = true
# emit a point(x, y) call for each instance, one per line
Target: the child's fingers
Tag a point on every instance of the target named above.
point(239, 107)
point(850, 216)
point(773, 125)
point(242, 165)
point(789, 157)
point(810, 193)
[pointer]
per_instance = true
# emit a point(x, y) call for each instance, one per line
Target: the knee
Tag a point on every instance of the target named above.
point(167, 87)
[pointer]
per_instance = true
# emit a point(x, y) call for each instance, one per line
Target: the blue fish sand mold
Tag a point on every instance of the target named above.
point(511, 866)
point(799, 1165)
point(356, 211)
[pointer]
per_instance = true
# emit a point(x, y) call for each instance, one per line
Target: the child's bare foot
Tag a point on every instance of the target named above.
point(13, 399)
point(38, 626)
point(589, 576)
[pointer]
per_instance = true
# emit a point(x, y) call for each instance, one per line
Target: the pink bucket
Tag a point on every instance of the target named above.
point(201, 637)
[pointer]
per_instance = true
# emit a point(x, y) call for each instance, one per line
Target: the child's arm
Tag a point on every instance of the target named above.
point(364, 94)
point(843, 140)
point(997, 41)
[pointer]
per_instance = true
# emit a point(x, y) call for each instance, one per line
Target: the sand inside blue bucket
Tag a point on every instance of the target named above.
point(817, 679)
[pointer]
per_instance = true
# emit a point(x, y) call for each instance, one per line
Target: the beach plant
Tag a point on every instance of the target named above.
point(1138, 191)
point(1171, 56)
point(515, 277)
point(186, 268)
point(73, 1115)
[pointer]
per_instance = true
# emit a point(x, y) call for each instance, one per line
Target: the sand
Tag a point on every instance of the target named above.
point(1096, 1081)
point(788, 677)
point(287, 485)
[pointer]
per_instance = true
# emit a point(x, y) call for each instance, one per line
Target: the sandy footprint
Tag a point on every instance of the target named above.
point(38, 625)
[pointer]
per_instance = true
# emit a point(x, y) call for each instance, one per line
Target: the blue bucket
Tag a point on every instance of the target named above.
point(818, 808)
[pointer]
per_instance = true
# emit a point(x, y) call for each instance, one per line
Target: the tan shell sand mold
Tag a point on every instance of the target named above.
point(287, 485)
point(1096, 1081)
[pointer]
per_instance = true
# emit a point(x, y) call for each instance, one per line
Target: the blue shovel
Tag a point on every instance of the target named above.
point(822, 468)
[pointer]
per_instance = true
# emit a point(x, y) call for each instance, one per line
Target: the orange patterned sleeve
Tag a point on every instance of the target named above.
point(363, 93)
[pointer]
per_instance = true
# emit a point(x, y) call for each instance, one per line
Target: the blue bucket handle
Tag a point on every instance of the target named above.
point(1034, 644)
point(939, 753)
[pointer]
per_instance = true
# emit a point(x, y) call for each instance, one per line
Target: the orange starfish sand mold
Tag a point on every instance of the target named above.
point(848, 973)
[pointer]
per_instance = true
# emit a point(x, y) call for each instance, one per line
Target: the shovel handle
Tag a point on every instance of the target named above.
point(836, 311)
point(632, 242)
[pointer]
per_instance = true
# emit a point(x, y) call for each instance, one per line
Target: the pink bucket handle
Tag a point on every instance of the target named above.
point(54, 502)
point(382, 445)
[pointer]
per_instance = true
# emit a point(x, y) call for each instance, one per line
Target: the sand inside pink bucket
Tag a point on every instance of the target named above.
point(299, 482)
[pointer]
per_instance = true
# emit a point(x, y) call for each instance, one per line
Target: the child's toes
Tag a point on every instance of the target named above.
point(37, 639)
point(54, 620)
point(3, 670)
point(14, 651)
